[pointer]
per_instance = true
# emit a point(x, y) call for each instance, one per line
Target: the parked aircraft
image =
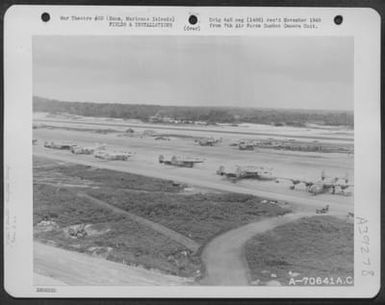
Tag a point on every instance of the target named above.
point(55, 145)
point(86, 150)
point(113, 155)
point(180, 161)
point(246, 172)
point(325, 184)
point(208, 141)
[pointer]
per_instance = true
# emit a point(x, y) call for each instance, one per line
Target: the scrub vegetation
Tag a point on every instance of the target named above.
point(318, 246)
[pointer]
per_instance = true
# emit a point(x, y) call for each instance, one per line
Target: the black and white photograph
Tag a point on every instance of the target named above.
point(193, 160)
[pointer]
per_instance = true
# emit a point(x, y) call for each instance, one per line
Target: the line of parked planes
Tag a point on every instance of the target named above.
point(325, 184)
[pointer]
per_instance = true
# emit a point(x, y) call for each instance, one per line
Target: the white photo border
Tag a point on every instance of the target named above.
point(22, 22)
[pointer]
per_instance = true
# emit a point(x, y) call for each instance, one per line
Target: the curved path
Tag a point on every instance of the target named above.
point(224, 255)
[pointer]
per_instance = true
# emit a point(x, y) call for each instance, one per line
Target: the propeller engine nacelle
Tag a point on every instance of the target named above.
point(161, 159)
point(221, 170)
point(316, 189)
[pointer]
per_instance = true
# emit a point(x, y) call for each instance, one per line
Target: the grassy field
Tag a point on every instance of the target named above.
point(197, 216)
point(103, 177)
point(319, 246)
point(111, 235)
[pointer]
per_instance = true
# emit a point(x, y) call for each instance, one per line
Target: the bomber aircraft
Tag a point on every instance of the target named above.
point(246, 172)
point(325, 184)
point(180, 161)
point(208, 141)
point(86, 150)
point(56, 145)
point(113, 155)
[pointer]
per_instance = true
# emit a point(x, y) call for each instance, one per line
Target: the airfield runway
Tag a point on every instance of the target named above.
point(284, 164)
point(310, 134)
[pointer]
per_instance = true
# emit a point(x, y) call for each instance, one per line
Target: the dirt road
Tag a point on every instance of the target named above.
point(224, 256)
point(54, 265)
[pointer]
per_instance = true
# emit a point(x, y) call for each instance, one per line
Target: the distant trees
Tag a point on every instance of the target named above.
point(211, 115)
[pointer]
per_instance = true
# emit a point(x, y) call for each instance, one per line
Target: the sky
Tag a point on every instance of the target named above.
point(270, 72)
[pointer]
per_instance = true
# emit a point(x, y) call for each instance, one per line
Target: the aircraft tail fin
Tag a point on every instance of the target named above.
point(161, 158)
point(221, 170)
point(323, 176)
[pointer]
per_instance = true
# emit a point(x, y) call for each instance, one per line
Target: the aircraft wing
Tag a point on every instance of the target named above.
point(297, 181)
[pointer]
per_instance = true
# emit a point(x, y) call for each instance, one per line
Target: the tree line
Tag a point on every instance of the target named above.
point(211, 115)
